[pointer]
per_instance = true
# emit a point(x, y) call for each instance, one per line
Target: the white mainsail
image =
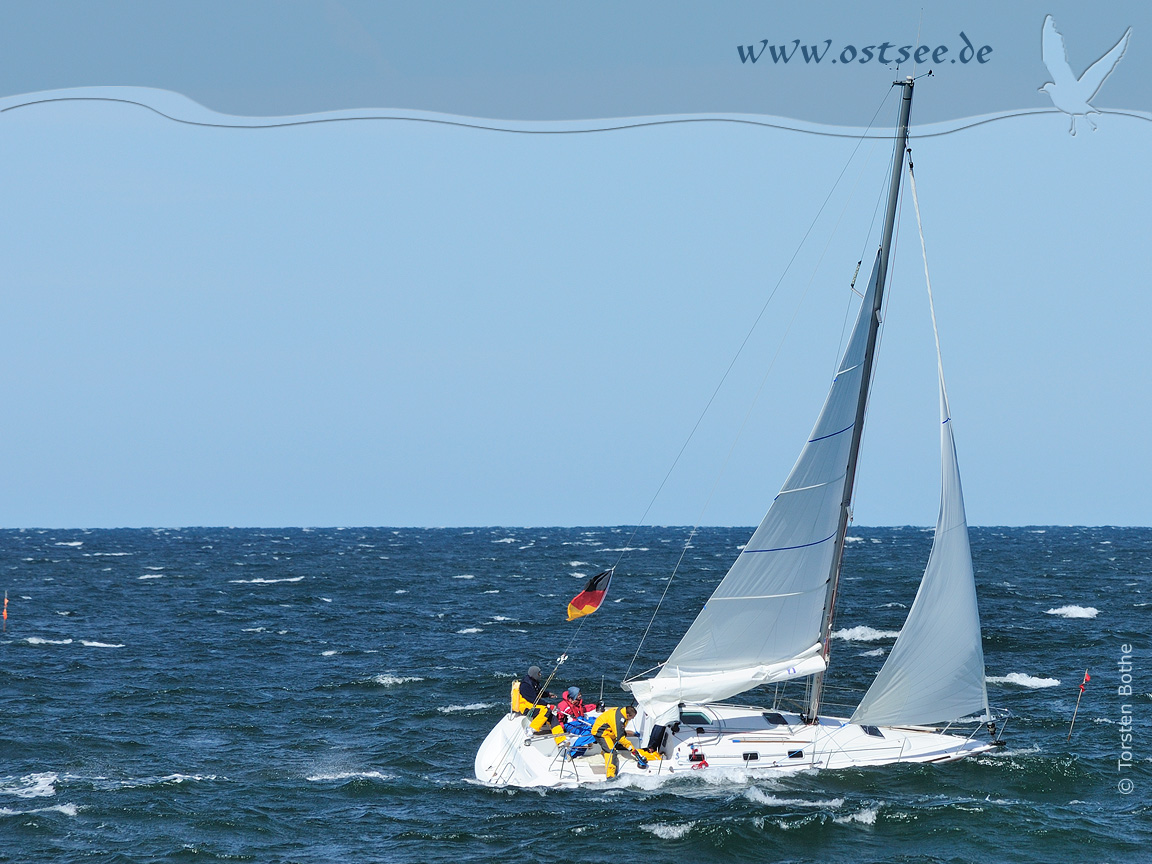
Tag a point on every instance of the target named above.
point(763, 622)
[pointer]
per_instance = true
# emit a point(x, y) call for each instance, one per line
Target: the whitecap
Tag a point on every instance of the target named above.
point(66, 809)
point(500, 618)
point(1022, 680)
point(328, 653)
point(70, 543)
point(393, 680)
point(91, 644)
point(259, 580)
point(468, 630)
point(348, 775)
point(865, 634)
point(400, 591)
point(507, 540)
point(757, 796)
point(493, 591)
point(42, 785)
point(875, 652)
point(864, 817)
point(253, 630)
point(472, 706)
point(668, 831)
point(853, 539)
point(1074, 612)
point(36, 640)
point(151, 576)
point(326, 599)
point(464, 576)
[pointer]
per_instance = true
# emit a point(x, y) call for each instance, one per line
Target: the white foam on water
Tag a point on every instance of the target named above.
point(393, 680)
point(1074, 612)
point(1022, 680)
point(864, 634)
point(151, 576)
point(111, 554)
point(92, 644)
point(348, 775)
point(150, 567)
point(42, 785)
point(875, 652)
point(473, 706)
point(500, 618)
point(507, 540)
point(166, 780)
point(260, 580)
point(400, 591)
point(468, 630)
point(864, 817)
point(328, 653)
point(464, 576)
point(757, 796)
point(253, 630)
point(70, 543)
point(326, 599)
point(36, 640)
point(66, 809)
point(493, 591)
point(853, 539)
point(578, 564)
point(668, 831)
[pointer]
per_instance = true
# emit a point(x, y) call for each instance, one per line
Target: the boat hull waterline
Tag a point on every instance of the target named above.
point(740, 739)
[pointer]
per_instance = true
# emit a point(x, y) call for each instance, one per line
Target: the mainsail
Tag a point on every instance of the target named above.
point(763, 622)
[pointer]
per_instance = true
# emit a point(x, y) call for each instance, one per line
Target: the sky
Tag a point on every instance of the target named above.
point(404, 323)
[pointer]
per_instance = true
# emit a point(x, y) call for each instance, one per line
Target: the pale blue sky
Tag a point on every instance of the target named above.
point(395, 323)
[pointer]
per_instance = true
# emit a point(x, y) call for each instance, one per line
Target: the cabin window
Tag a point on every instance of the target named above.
point(873, 731)
point(795, 754)
point(775, 719)
point(751, 757)
point(695, 718)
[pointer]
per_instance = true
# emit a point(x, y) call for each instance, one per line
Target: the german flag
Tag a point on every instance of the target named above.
point(589, 600)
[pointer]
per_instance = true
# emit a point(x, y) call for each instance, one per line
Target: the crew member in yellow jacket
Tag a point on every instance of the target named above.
point(610, 734)
point(526, 696)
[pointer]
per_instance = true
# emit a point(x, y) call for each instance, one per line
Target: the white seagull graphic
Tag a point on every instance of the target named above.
point(1069, 93)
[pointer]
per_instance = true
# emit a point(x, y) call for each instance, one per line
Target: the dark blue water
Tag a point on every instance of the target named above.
point(317, 696)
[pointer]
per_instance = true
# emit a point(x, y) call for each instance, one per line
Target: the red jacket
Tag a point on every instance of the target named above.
point(569, 710)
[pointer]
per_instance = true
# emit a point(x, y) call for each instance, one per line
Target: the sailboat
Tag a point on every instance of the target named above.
point(769, 621)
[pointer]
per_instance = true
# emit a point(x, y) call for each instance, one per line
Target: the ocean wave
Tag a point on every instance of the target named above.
point(41, 785)
point(1022, 680)
point(875, 652)
point(36, 640)
point(348, 775)
point(473, 706)
point(757, 796)
point(66, 809)
point(166, 780)
point(70, 543)
point(1074, 612)
point(864, 634)
point(151, 576)
point(328, 653)
point(464, 576)
point(92, 644)
point(864, 817)
point(668, 831)
point(260, 580)
point(468, 630)
point(394, 680)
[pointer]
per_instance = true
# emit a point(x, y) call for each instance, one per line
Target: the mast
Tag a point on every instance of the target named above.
point(817, 689)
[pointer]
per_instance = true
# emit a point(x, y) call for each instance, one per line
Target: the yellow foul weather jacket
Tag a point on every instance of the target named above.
point(609, 728)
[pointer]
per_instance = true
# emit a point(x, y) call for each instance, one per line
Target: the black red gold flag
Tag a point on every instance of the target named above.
point(589, 600)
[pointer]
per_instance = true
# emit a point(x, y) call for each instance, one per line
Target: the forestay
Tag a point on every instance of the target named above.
point(763, 622)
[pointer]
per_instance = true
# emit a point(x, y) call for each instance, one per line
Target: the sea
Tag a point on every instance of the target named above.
point(318, 695)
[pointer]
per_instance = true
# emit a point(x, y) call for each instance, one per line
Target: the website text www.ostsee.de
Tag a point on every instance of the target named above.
point(884, 53)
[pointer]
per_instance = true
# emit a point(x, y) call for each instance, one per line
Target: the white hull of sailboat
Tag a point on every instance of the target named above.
point(739, 739)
